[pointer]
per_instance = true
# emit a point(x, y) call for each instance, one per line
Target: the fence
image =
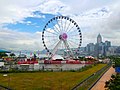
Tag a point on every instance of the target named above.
point(86, 84)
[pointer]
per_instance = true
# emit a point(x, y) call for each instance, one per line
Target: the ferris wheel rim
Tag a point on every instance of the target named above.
point(56, 18)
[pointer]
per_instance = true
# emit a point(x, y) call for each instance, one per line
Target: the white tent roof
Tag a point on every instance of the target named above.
point(57, 57)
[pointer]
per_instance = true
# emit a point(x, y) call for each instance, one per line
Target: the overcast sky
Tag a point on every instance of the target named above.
point(22, 21)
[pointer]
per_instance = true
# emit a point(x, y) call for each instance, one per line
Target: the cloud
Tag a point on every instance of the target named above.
point(14, 11)
point(109, 27)
point(93, 17)
point(89, 22)
point(20, 40)
point(104, 20)
point(113, 27)
point(53, 7)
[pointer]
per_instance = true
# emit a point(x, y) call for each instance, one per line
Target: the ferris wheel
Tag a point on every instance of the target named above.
point(62, 35)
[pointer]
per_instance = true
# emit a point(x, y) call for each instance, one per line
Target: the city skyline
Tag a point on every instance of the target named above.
point(99, 48)
point(21, 23)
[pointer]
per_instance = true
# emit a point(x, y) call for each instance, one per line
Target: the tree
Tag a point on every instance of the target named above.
point(3, 55)
point(12, 54)
point(113, 83)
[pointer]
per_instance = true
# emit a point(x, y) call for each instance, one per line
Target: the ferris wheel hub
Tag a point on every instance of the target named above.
point(63, 36)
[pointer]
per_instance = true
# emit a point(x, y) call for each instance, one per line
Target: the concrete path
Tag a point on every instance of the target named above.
point(101, 83)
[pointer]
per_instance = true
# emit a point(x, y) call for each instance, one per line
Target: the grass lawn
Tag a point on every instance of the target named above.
point(46, 80)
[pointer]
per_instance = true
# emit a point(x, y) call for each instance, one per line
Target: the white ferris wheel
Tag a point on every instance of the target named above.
point(62, 35)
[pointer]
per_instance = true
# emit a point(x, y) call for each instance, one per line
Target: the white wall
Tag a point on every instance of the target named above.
point(1, 64)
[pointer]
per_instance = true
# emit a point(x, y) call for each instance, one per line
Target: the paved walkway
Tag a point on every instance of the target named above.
point(101, 83)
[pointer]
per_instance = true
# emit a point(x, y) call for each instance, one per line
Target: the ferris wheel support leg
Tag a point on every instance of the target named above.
point(69, 51)
point(55, 49)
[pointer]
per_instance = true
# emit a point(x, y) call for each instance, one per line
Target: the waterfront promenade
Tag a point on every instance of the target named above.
point(101, 83)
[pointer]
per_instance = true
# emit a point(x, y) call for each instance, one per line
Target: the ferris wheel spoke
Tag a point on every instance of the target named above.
point(72, 46)
point(56, 28)
point(73, 34)
point(68, 49)
point(49, 51)
point(61, 47)
point(49, 36)
point(53, 43)
point(56, 48)
point(53, 28)
point(68, 26)
point(58, 24)
point(73, 42)
point(70, 29)
point(74, 39)
point(75, 49)
point(52, 33)
point(65, 25)
point(51, 40)
point(74, 31)
point(61, 26)
point(73, 24)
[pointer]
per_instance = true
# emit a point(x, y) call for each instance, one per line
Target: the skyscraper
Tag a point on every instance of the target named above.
point(99, 39)
point(99, 46)
point(108, 43)
point(90, 49)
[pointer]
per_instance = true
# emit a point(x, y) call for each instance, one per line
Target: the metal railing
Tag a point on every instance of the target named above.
point(93, 79)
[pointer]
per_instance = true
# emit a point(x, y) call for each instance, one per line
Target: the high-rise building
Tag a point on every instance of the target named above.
point(107, 45)
point(100, 49)
point(99, 39)
point(90, 47)
point(112, 50)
